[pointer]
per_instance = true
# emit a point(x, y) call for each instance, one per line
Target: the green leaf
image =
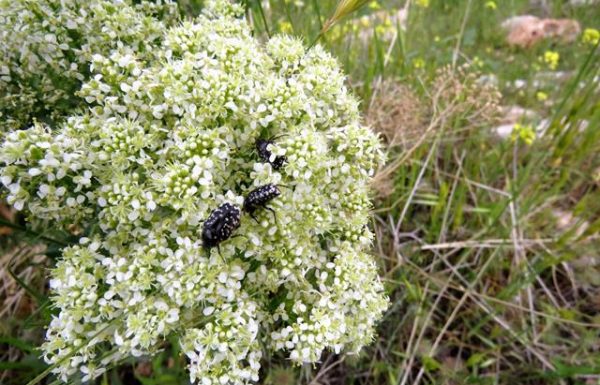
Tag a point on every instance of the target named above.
point(475, 359)
point(430, 363)
point(17, 343)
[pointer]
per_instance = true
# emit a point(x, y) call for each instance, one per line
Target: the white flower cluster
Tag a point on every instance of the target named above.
point(167, 140)
point(46, 47)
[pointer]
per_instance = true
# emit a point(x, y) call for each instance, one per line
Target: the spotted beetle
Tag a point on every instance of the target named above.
point(220, 225)
point(258, 198)
point(264, 153)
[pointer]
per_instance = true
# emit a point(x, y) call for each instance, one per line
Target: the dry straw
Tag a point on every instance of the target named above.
point(343, 9)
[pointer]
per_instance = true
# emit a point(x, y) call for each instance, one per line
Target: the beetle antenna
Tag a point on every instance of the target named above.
point(273, 138)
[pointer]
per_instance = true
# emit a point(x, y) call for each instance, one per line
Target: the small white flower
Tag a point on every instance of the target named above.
point(125, 87)
point(34, 171)
point(18, 205)
point(172, 316)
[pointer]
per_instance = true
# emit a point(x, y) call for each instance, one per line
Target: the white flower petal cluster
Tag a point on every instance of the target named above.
point(46, 47)
point(169, 138)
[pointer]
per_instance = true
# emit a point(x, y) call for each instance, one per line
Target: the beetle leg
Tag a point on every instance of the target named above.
point(273, 211)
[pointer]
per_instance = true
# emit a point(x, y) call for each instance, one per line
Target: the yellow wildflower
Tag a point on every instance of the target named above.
point(374, 5)
point(591, 36)
point(419, 63)
point(285, 26)
point(383, 29)
point(422, 3)
point(524, 133)
point(491, 5)
point(541, 96)
point(551, 58)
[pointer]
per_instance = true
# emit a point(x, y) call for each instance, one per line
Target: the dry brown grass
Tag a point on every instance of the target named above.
point(27, 263)
point(24, 262)
point(407, 120)
point(7, 213)
point(398, 114)
point(468, 100)
point(402, 118)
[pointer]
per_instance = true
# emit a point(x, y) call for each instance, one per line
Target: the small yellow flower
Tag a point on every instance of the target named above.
point(374, 5)
point(477, 62)
point(541, 96)
point(436, 39)
point(419, 63)
point(551, 58)
point(285, 26)
point(524, 133)
point(491, 5)
point(422, 3)
point(591, 36)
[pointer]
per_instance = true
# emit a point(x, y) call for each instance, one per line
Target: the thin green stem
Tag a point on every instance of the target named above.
point(31, 233)
point(264, 18)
